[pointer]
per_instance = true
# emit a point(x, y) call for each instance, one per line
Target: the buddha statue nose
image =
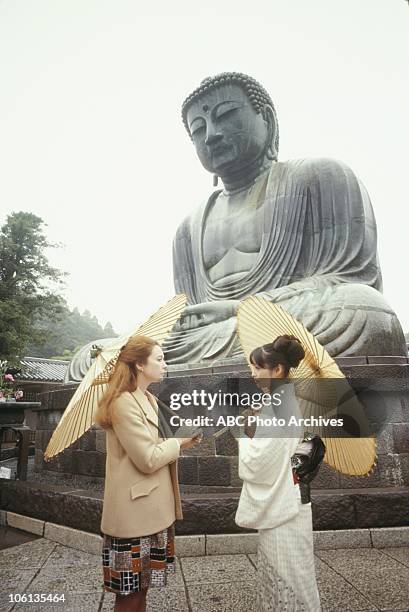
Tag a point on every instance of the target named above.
point(212, 136)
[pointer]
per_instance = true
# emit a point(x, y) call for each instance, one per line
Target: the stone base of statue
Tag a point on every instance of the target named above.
point(69, 489)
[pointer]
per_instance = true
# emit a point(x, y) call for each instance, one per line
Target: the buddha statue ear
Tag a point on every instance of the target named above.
point(269, 116)
point(215, 180)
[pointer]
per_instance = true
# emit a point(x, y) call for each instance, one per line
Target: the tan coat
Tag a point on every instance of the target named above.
point(141, 484)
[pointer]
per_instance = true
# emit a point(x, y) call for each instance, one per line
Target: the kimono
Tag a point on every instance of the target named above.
point(271, 503)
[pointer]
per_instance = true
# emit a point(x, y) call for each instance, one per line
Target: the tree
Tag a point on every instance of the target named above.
point(109, 330)
point(28, 284)
point(65, 336)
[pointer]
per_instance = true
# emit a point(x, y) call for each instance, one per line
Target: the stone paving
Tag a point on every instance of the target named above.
point(360, 579)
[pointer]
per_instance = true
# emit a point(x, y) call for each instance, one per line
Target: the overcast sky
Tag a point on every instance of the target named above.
point(91, 138)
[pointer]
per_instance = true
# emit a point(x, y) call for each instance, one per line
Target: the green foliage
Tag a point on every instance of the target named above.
point(28, 284)
point(34, 319)
point(65, 336)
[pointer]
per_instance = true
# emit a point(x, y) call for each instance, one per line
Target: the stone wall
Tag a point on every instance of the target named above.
point(214, 462)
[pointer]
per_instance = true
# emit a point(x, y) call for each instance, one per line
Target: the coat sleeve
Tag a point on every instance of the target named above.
point(137, 441)
point(265, 460)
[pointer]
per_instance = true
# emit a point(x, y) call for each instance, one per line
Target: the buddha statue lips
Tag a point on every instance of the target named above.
point(301, 233)
point(220, 152)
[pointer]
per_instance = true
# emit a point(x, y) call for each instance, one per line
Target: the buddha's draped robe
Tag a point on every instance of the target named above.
point(318, 260)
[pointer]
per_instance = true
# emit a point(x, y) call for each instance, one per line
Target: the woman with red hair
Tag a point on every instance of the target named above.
point(142, 498)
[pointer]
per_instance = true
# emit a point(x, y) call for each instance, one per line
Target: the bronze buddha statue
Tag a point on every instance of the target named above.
point(302, 233)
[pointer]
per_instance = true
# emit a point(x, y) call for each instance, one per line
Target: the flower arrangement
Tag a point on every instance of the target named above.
point(7, 390)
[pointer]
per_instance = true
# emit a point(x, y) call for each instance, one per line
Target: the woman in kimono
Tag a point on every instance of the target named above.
point(270, 500)
point(141, 498)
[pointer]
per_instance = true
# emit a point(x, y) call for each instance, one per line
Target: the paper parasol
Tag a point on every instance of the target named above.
point(80, 412)
point(319, 383)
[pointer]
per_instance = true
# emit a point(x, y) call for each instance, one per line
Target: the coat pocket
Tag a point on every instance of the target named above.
point(143, 487)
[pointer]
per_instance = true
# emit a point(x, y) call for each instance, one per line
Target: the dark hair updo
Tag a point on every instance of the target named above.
point(285, 350)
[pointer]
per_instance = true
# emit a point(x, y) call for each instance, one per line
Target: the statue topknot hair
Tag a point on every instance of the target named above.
point(255, 92)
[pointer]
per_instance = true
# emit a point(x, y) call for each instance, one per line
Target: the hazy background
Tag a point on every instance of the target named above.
point(91, 138)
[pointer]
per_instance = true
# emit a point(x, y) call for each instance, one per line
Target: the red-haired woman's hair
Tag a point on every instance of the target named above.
point(124, 376)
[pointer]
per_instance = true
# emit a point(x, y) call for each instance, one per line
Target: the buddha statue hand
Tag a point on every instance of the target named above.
point(317, 289)
point(199, 315)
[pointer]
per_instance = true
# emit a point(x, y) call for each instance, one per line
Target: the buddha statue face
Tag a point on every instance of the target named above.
point(228, 133)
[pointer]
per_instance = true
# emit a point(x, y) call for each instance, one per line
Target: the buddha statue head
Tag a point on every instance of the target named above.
point(232, 122)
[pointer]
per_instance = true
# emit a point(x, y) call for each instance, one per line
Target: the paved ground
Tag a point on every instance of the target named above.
point(12, 537)
point(353, 579)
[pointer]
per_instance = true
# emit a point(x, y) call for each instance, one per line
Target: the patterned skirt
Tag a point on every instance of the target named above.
point(133, 564)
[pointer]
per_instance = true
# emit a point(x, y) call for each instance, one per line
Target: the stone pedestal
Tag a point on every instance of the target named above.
point(214, 462)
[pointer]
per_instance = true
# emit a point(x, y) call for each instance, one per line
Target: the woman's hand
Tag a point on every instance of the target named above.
point(189, 442)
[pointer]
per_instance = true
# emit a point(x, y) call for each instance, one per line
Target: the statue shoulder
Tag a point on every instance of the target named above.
point(183, 229)
point(318, 169)
point(329, 182)
point(194, 219)
point(182, 242)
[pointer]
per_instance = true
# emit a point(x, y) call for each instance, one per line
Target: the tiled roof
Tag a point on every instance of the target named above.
point(45, 370)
